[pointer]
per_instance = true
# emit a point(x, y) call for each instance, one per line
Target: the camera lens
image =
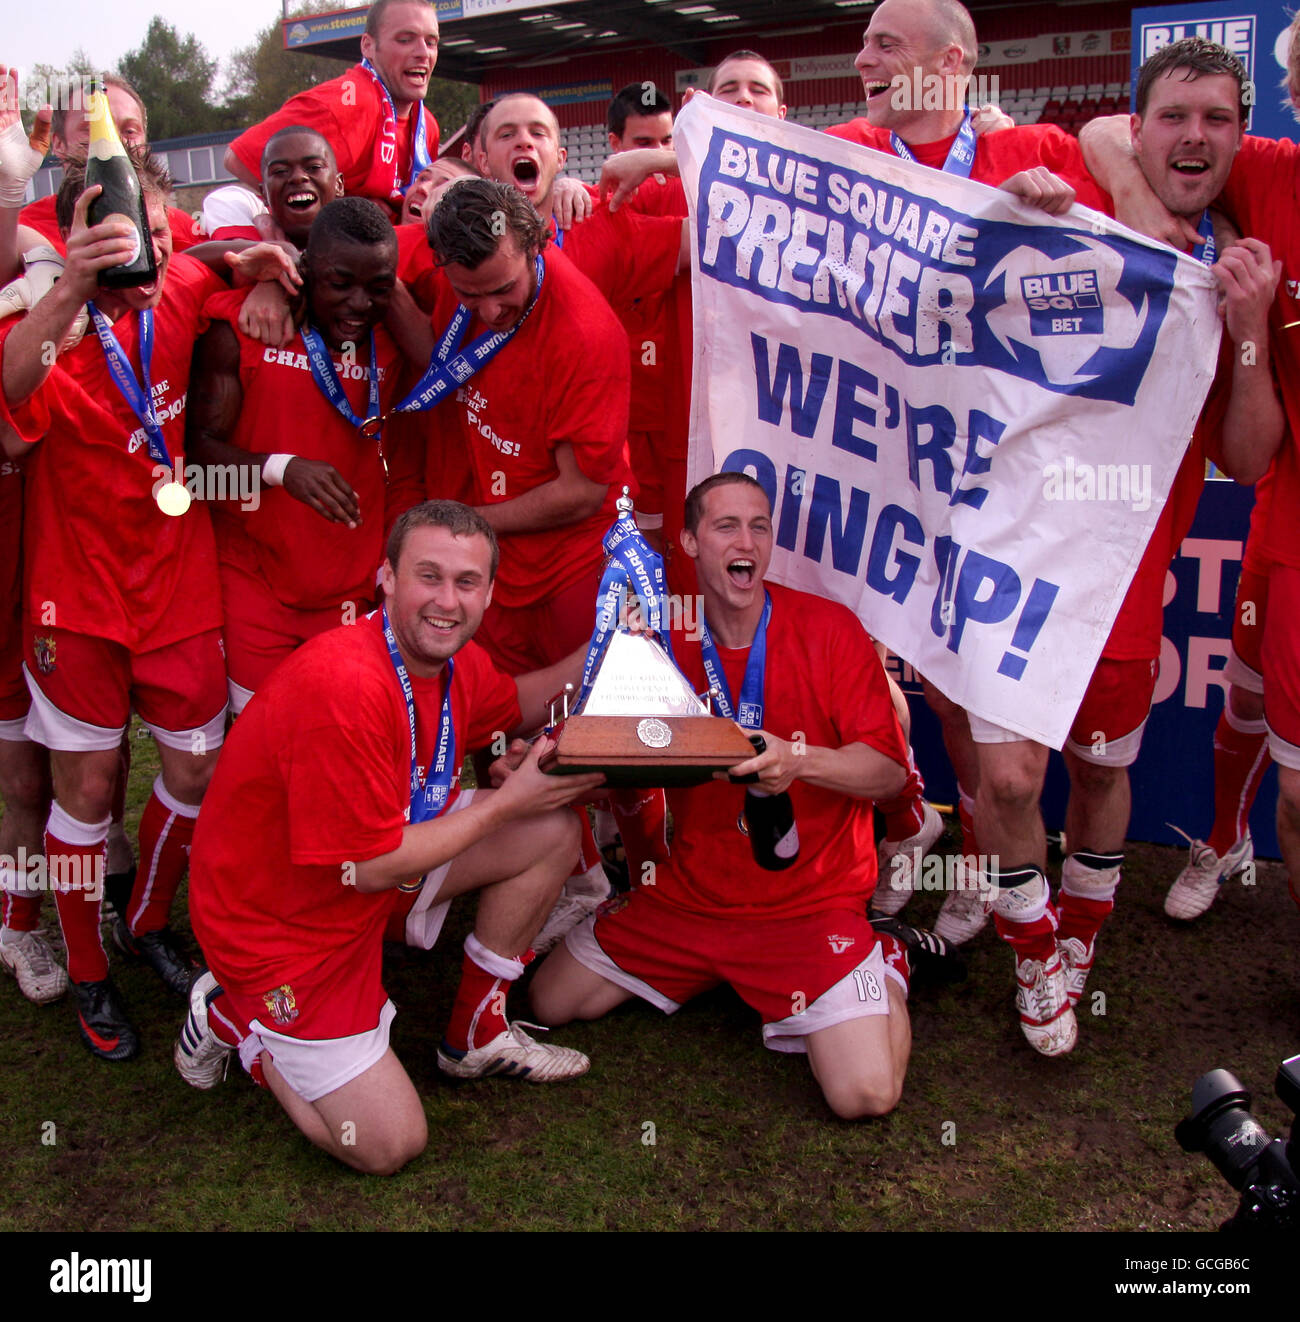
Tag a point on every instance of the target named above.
point(1222, 1127)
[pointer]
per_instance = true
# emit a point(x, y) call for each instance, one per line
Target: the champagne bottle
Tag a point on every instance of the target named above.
point(769, 821)
point(773, 831)
point(108, 165)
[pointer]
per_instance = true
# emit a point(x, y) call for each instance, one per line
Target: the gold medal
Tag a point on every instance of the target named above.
point(173, 499)
point(371, 427)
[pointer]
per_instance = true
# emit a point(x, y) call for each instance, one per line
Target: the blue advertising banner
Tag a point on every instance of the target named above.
point(1253, 31)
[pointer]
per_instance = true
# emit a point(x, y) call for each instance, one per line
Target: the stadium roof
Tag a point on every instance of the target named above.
point(482, 37)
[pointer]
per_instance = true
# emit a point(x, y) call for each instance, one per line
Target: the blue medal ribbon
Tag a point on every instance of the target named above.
point(327, 381)
point(1206, 251)
point(750, 713)
point(445, 372)
point(432, 794)
point(631, 561)
point(419, 146)
point(139, 398)
point(961, 155)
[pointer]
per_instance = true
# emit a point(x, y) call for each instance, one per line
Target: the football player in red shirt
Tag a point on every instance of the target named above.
point(795, 943)
point(119, 611)
point(903, 46)
point(373, 116)
point(303, 556)
point(70, 137)
point(338, 789)
point(1262, 196)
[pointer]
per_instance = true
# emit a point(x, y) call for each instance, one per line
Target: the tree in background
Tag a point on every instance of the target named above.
point(174, 75)
point(264, 76)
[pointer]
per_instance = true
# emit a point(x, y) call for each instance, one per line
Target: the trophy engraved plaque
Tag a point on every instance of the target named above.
point(637, 720)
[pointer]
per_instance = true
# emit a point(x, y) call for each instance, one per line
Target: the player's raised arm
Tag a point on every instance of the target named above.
point(32, 346)
point(1254, 423)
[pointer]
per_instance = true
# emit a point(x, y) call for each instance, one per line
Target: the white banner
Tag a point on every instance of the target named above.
point(967, 414)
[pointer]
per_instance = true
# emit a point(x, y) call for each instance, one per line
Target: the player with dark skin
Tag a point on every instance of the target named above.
point(299, 175)
point(347, 287)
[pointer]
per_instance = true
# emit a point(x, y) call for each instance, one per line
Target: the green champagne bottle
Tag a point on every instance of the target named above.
point(108, 165)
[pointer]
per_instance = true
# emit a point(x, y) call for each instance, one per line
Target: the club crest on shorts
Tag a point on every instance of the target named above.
point(839, 944)
point(606, 908)
point(281, 1004)
point(44, 649)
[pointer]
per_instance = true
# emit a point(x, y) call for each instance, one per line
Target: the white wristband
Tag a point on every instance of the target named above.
point(273, 467)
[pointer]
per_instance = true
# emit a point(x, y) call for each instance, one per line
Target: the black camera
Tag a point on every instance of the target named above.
point(1263, 1170)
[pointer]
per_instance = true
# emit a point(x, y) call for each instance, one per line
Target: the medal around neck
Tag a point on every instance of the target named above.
point(172, 499)
point(637, 721)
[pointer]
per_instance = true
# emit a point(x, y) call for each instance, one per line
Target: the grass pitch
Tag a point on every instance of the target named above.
point(688, 1123)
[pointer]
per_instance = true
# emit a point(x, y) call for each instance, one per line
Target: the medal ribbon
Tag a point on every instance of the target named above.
point(632, 561)
point(327, 381)
point(751, 689)
point(419, 146)
point(1206, 251)
point(430, 795)
point(445, 373)
point(119, 368)
point(961, 155)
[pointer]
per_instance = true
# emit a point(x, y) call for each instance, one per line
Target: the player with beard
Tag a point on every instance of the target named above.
point(1262, 197)
point(337, 790)
point(373, 116)
point(305, 557)
point(795, 944)
point(542, 422)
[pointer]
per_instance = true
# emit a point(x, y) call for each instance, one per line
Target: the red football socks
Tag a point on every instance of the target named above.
point(166, 829)
point(479, 1012)
point(74, 852)
point(905, 813)
point(1240, 760)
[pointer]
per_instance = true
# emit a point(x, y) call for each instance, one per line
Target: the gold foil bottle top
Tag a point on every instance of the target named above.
point(104, 140)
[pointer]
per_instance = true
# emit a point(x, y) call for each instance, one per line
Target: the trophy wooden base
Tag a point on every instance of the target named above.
point(647, 752)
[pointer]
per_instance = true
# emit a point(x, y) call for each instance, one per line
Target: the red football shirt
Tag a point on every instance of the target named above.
point(824, 684)
point(626, 255)
point(563, 378)
point(100, 553)
point(1256, 559)
point(1263, 197)
point(651, 321)
point(11, 545)
point(315, 775)
point(349, 111)
point(1136, 633)
point(307, 562)
point(40, 215)
point(997, 155)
